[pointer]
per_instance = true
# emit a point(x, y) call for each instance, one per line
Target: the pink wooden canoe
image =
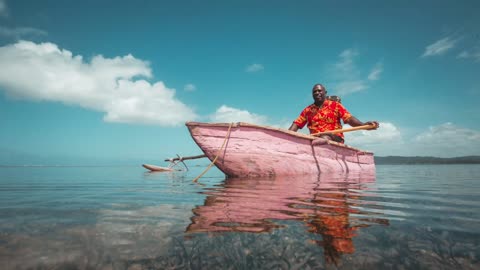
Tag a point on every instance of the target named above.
point(255, 151)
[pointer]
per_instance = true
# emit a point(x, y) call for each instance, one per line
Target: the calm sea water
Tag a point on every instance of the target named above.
point(404, 217)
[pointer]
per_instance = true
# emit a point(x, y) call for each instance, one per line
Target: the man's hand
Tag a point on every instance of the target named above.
point(373, 123)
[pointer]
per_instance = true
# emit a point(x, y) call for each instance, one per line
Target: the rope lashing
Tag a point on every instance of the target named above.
point(218, 154)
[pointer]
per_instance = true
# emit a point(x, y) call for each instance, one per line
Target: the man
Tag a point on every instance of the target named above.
point(324, 115)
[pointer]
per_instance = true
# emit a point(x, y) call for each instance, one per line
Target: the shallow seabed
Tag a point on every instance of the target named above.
point(404, 217)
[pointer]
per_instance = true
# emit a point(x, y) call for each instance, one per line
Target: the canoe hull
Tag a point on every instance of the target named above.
point(254, 151)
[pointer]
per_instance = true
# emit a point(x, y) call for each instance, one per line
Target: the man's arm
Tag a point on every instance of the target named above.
point(293, 127)
point(354, 122)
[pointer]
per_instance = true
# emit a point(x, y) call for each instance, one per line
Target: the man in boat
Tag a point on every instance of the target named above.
point(325, 114)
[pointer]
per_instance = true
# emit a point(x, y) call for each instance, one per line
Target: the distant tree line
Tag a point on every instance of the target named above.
point(394, 160)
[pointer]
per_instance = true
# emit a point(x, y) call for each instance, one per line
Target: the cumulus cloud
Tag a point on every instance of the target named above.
point(254, 68)
point(189, 87)
point(225, 114)
point(440, 47)
point(387, 133)
point(445, 140)
point(44, 72)
point(448, 139)
point(348, 77)
point(445, 132)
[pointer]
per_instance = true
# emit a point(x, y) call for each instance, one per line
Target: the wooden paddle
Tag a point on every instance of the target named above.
point(364, 127)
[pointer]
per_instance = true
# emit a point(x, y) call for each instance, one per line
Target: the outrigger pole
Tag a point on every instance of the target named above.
point(179, 158)
point(174, 161)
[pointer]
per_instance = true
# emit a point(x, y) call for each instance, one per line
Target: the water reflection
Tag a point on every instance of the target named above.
point(332, 206)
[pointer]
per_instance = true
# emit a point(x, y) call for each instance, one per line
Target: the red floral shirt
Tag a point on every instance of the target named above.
point(323, 118)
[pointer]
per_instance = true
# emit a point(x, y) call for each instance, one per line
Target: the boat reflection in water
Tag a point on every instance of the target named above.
point(331, 205)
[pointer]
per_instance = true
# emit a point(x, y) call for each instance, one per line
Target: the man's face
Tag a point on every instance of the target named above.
point(319, 93)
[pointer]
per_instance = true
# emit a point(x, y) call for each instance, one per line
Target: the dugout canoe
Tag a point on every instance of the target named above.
point(248, 150)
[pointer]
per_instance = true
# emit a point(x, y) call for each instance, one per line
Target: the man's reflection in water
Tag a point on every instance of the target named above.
point(324, 204)
point(332, 222)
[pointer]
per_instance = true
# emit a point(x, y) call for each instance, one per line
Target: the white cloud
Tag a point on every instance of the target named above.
point(387, 132)
point(254, 68)
point(19, 32)
point(348, 78)
point(472, 54)
point(449, 140)
point(448, 44)
point(46, 72)
point(3, 8)
point(225, 114)
point(348, 87)
point(189, 87)
point(439, 47)
point(346, 63)
point(375, 72)
point(382, 141)
point(446, 140)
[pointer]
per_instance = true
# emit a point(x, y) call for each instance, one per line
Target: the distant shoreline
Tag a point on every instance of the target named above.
point(399, 160)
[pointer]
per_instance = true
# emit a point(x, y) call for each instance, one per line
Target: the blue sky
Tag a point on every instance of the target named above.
point(118, 79)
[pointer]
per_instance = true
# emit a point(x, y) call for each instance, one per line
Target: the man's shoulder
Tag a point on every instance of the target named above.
point(330, 103)
point(333, 103)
